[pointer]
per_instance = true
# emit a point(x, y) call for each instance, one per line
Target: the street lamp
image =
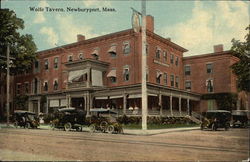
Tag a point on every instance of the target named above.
point(144, 97)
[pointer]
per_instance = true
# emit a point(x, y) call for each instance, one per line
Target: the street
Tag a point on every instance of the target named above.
point(41, 144)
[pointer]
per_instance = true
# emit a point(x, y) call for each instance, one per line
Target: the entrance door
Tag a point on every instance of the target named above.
point(78, 103)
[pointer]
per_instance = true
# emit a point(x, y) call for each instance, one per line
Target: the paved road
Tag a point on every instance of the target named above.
point(28, 144)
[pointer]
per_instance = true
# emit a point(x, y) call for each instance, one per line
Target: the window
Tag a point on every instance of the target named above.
point(188, 85)
point(46, 64)
point(36, 64)
point(158, 53)
point(112, 50)
point(172, 80)
point(126, 48)
point(55, 85)
point(80, 56)
point(177, 61)
point(147, 49)
point(70, 58)
point(165, 78)
point(176, 81)
point(187, 70)
point(45, 86)
point(158, 77)
point(171, 58)
point(209, 68)
point(26, 86)
point(165, 56)
point(209, 85)
point(113, 79)
point(95, 53)
point(18, 88)
point(56, 62)
point(126, 73)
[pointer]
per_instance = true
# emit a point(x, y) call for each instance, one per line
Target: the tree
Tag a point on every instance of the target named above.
point(241, 68)
point(22, 47)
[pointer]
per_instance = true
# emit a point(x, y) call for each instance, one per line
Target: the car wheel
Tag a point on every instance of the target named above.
point(110, 129)
point(214, 128)
point(79, 129)
point(15, 124)
point(67, 126)
point(227, 127)
point(104, 126)
point(202, 127)
point(27, 125)
point(92, 128)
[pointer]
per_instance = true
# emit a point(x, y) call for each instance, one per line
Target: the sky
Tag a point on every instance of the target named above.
point(194, 25)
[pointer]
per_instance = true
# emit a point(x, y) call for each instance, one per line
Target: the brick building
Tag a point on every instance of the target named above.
point(105, 72)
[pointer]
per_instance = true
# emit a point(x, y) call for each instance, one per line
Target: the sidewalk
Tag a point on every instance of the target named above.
point(125, 131)
point(157, 131)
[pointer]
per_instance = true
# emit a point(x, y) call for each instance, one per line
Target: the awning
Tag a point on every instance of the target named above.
point(76, 74)
point(158, 74)
point(112, 49)
point(112, 73)
point(95, 52)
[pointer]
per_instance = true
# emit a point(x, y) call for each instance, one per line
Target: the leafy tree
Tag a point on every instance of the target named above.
point(22, 47)
point(242, 67)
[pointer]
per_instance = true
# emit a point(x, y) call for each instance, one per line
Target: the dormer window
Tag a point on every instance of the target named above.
point(112, 50)
point(70, 58)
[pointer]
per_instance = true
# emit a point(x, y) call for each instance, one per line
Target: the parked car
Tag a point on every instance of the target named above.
point(69, 118)
point(239, 118)
point(104, 120)
point(25, 119)
point(215, 119)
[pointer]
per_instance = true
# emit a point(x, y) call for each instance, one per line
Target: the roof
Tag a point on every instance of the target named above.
point(23, 112)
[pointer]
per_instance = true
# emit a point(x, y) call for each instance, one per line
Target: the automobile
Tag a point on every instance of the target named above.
point(68, 119)
point(239, 118)
point(25, 119)
point(214, 119)
point(104, 120)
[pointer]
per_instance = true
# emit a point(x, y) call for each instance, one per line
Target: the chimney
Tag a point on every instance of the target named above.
point(218, 48)
point(80, 37)
point(150, 23)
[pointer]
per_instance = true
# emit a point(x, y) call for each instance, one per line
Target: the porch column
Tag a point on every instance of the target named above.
point(87, 104)
point(188, 108)
point(30, 105)
point(46, 111)
point(124, 103)
point(88, 77)
point(180, 105)
point(68, 100)
point(90, 104)
point(38, 106)
point(171, 106)
point(160, 103)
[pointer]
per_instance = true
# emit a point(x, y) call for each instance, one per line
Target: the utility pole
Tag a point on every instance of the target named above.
point(8, 86)
point(143, 68)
